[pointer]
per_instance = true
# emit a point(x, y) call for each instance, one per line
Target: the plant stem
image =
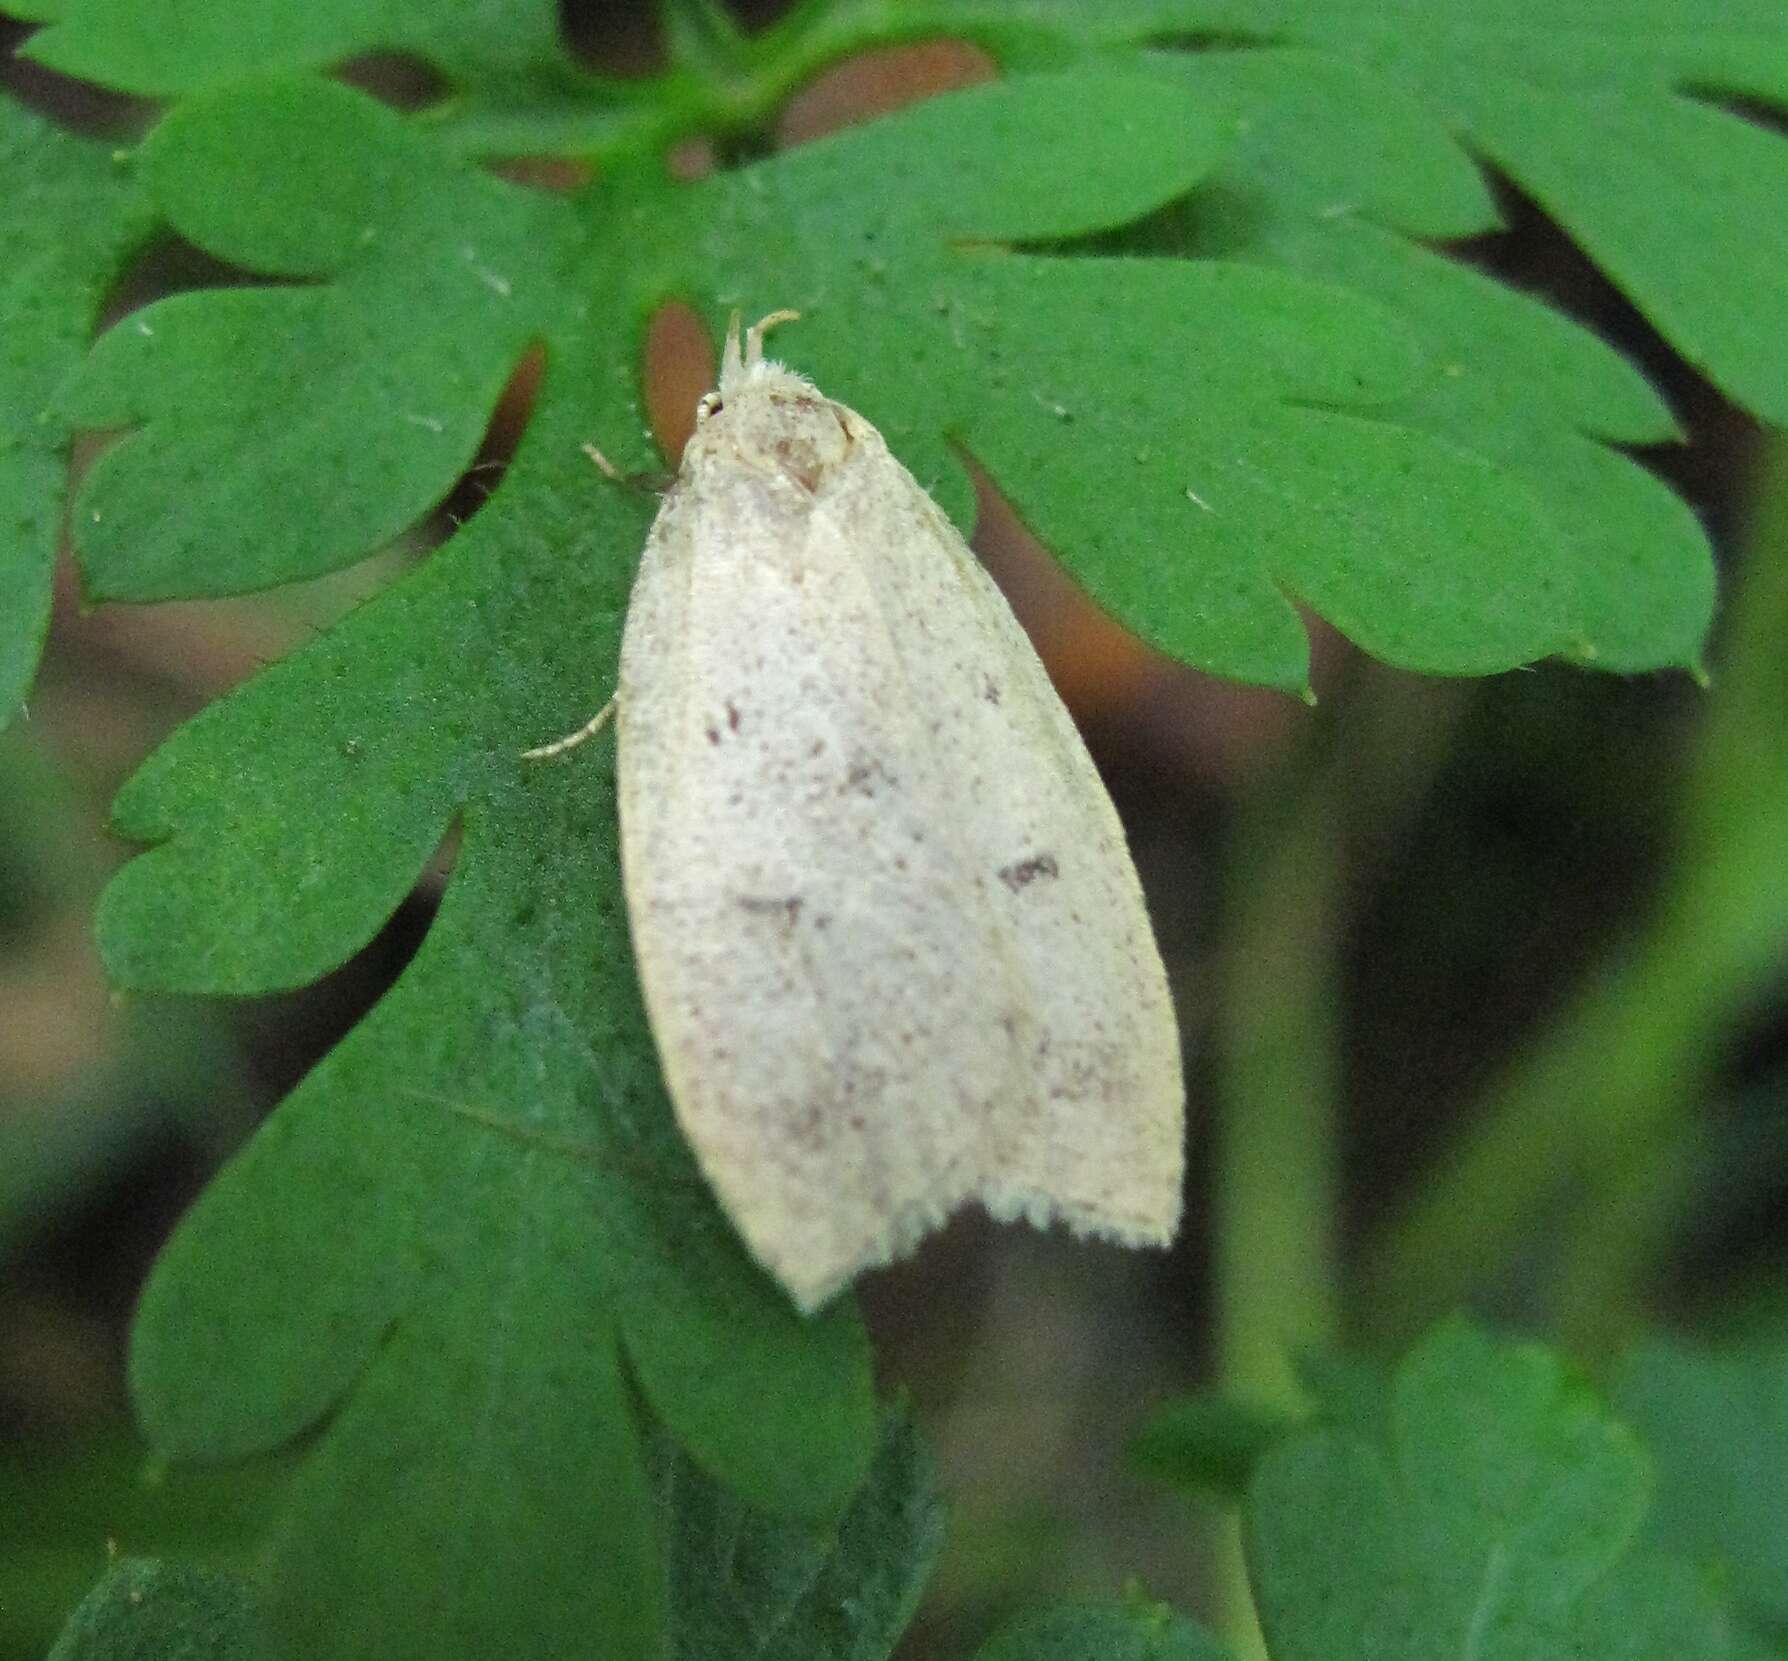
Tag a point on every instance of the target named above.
point(724, 84)
point(1274, 1190)
point(1275, 1096)
point(1294, 854)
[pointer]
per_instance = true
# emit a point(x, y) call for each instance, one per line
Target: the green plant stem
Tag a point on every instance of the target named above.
point(1274, 1192)
point(1595, 1113)
point(724, 84)
point(1293, 856)
point(1276, 1087)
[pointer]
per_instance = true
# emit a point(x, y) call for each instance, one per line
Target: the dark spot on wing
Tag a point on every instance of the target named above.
point(1025, 871)
point(788, 908)
point(867, 777)
point(733, 719)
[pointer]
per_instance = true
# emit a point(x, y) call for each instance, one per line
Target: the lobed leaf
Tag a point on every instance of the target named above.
point(1601, 111)
point(1500, 1517)
point(1338, 176)
point(76, 212)
point(363, 398)
point(1626, 120)
point(515, 1204)
point(1255, 457)
point(495, 1133)
point(750, 1588)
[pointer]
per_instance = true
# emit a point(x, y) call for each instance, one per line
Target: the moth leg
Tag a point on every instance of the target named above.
point(571, 740)
point(606, 467)
point(653, 483)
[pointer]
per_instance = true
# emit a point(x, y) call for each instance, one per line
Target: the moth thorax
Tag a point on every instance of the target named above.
point(776, 420)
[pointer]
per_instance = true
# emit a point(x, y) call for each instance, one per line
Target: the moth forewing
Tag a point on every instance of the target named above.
point(892, 944)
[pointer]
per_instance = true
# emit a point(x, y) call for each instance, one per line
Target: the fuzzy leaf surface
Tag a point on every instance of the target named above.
point(1343, 176)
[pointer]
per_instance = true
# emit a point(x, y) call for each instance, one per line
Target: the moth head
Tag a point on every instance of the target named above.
point(764, 414)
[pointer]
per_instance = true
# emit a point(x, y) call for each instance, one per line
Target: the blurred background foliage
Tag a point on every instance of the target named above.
point(1481, 981)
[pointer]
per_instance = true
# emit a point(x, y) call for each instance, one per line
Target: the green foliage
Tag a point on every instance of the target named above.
point(1716, 1420)
point(1133, 1631)
point(70, 1509)
point(1209, 1443)
point(75, 212)
point(753, 1588)
point(1190, 310)
point(1344, 177)
point(145, 1610)
point(1497, 1518)
point(1486, 1505)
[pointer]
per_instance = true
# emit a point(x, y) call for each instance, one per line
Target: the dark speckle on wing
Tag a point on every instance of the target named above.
point(1025, 871)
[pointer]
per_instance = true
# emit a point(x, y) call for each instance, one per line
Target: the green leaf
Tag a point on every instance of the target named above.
point(1209, 1443)
point(512, 1196)
point(1601, 112)
point(188, 45)
point(1715, 1419)
point(1500, 1519)
point(70, 1505)
point(145, 1610)
point(1292, 462)
point(1342, 175)
point(1607, 112)
point(516, 1204)
point(1132, 1631)
point(1254, 468)
point(338, 395)
point(750, 1588)
point(74, 213)
point(476, 1215)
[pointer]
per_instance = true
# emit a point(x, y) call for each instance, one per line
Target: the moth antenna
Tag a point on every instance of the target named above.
point(731, 364)
point(754, 336)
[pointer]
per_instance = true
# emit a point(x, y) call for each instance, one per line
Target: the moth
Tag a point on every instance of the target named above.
point(891, 941)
